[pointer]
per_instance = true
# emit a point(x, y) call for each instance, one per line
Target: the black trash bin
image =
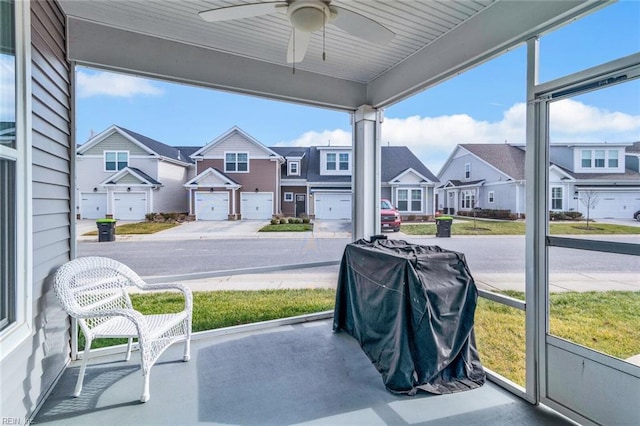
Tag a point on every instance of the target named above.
point(106, 230)
point(443, 226)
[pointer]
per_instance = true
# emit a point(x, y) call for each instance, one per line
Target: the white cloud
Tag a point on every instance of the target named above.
point(337, 137)
point(432, 139)
point(573, 121)
point(117, 85)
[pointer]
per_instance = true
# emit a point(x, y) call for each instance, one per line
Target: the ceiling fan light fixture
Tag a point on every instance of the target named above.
point(308, 17)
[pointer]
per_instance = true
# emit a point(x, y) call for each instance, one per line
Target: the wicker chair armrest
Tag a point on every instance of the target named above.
point(134, 316)
point(186, 291)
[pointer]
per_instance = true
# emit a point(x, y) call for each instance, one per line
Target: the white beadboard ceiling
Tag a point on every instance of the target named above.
point(434, 39)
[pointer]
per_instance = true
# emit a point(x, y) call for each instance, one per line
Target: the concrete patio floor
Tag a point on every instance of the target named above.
point(293, 374)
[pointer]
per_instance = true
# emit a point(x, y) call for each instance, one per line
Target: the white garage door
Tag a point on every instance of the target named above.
point(256, 205)
point(129, 205)
point(93, 205)
point(212, 205)
point(333, 205)
point(617, 205)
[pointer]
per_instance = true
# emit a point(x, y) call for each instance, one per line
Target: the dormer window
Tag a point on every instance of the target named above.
point(294, 168)
point(335, 162)
point(613, 158)
point(115, 160)
point(331, 161)
point(599, 157)
point(236, 162)
point(586, 158)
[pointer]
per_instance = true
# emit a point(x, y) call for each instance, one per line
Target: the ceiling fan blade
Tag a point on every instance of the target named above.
point(361, 26)
point(241, 11)
point(300, 43)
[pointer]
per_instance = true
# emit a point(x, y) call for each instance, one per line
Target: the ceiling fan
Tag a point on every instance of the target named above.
point(306, 16)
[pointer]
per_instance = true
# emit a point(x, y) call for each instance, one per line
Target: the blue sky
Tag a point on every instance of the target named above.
point(484, 105)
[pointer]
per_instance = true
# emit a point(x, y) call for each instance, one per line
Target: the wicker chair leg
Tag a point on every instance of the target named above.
point(128, 355)
point(187, 350)
point(145, 388)
point(85, 359)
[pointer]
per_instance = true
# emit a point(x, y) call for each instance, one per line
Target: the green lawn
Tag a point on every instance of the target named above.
point(604, 321)
point(287, 227)
point(139, 228)
point(495, 227)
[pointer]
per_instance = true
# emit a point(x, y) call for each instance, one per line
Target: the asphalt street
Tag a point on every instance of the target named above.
point(503, 254)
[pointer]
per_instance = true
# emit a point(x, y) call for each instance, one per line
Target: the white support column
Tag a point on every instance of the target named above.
point(536, 169)
point(366, 172)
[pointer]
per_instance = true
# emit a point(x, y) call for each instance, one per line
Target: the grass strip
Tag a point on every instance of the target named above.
point(139, 228)
point(287, 227)
point(496, 227)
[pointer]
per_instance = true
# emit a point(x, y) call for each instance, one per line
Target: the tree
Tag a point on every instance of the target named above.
point(590, 200)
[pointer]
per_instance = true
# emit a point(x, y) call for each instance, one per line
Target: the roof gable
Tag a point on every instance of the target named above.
point(144, 143)
point(234, 137)
point(130, 176)
point(399, 159)
point(212, 178)
point(505, 158)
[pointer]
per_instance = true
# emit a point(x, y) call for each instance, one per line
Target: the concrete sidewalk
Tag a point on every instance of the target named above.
point(488, 281)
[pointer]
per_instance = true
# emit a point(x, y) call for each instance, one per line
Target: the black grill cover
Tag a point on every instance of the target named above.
point(411, 308)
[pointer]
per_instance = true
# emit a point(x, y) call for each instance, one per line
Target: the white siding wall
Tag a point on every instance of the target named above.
point(172, 196)
point(31, 369)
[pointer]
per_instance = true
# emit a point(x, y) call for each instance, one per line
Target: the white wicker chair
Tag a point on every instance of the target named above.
point(94, 290)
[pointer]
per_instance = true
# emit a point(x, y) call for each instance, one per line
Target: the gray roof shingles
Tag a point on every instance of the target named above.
point(158, 147)
point(506, 158)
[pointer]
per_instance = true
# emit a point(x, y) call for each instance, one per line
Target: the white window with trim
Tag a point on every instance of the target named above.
point(491, 197)
point(336, 163)
point(468, 199)
point(467, 170)
point(556, 198)
point(613, 159)
point(294, 168)
point(586, 159)
point(410, 200)
point(237, 162)
point(115, 160)
point(15, 181)
point(288, 197)
point(599, 158)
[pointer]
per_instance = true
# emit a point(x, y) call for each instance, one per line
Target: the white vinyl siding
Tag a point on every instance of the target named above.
point(35, 348)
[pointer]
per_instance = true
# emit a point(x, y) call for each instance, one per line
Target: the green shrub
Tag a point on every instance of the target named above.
point(488, 214)
point(275, 221)
point(284, 221)
point(306, 219)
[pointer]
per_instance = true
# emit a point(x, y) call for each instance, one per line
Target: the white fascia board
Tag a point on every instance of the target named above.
point(193, 183)
point(410, 170)
point(472, 43)
point(558, 170)
point(122, 173)
point(154, 57)
point(222, 138)
point(334, 148)
point(113, 129)
point(293, 182)
point(96, 139)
